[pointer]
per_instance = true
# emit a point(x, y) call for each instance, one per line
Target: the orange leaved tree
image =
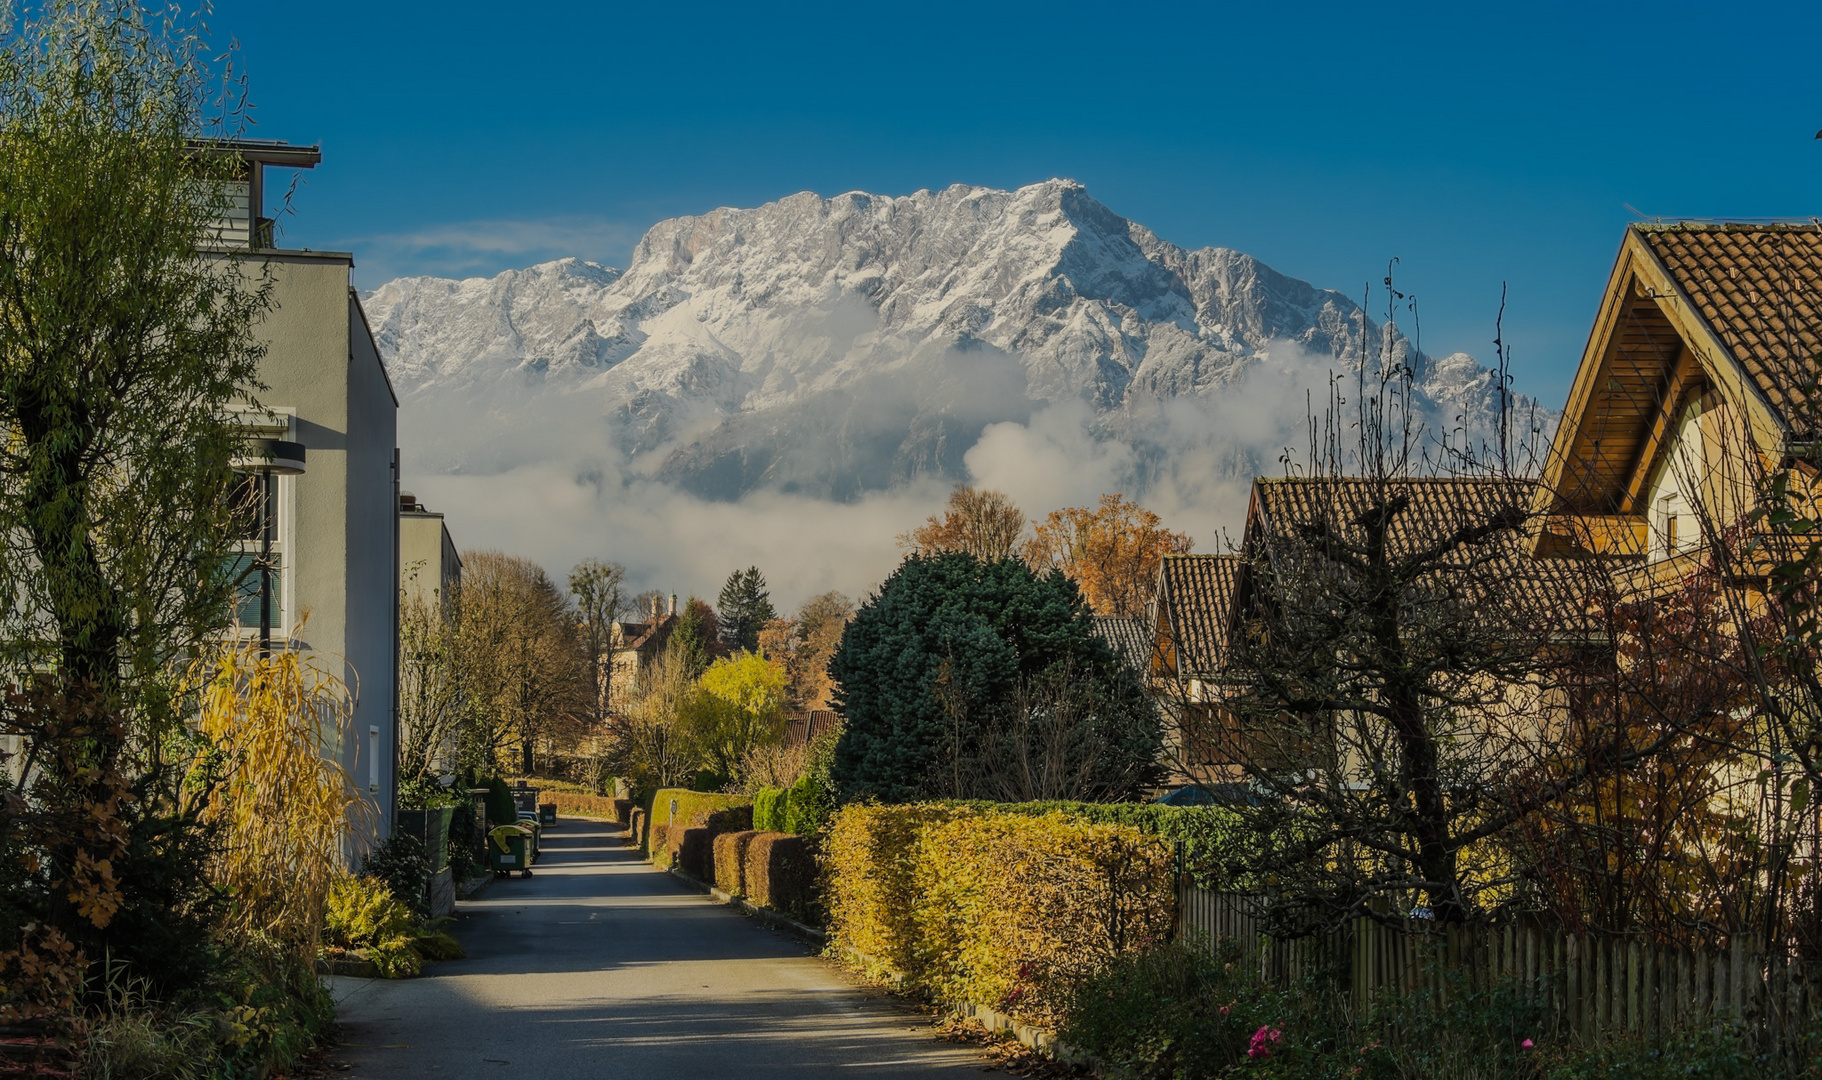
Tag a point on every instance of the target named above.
point(984, 524)
point(1111, 552)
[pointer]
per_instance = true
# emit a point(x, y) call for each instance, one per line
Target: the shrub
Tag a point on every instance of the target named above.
point(363, 914)
point(1206, 835)
point(402, 863)
point(1004, 910)
point(690, 804)
point(501, 810)
point(730, 861)
point(623, 811)
point(635, 828)
point(464, 843)
point(572, 804)
point(780, 874)
point(694, 852)
point(768, 810)
point(807, 806)
point(660, 853)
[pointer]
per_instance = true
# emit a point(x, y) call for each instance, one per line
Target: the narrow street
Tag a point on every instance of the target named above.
point(601, 966)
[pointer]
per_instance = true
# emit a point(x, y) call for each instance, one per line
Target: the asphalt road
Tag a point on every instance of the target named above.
point(601, 966)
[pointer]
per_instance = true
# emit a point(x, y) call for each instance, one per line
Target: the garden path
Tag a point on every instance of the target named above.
point(602, 966)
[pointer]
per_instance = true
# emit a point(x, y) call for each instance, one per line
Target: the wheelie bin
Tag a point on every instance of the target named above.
point(509, 849)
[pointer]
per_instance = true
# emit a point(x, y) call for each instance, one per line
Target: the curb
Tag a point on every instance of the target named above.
point(765, 915)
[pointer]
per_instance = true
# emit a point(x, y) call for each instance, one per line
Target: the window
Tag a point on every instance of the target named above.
point(1668, 526)
point(257, 566)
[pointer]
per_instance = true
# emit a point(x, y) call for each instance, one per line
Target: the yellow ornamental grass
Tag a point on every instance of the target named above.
point(286, 807)
point(1003, 910)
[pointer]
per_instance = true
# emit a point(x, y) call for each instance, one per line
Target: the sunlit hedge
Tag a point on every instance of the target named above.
point(572, 804)
point(979, 905)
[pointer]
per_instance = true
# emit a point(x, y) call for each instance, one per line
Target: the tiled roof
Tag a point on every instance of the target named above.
point(1196, 595)
point(1130, 638)
point(1759, 288)
point(1506, 574)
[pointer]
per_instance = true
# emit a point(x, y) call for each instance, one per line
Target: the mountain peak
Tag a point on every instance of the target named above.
point(843, 344)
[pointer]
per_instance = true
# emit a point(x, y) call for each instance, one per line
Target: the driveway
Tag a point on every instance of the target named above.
point(601, 966)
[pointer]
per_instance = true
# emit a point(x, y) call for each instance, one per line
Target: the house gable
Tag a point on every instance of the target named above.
point(1703, 330)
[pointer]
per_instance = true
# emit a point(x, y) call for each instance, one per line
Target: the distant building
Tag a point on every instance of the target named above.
point(430, 568)
point(329, 410)
point(632, 646)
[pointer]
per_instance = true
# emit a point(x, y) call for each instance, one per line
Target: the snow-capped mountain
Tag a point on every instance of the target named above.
point(832, 346)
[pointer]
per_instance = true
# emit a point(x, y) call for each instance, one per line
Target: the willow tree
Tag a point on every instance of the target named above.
point(123, 337)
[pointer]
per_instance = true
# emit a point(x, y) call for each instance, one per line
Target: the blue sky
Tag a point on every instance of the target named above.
point(1479, 144)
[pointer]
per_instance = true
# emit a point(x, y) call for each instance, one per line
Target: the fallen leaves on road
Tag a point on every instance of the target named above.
point(1007, 1054)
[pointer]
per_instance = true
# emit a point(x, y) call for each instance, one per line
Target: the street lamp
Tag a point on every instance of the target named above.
point(268, 459)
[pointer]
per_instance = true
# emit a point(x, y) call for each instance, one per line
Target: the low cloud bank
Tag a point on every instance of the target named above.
point(544, 474)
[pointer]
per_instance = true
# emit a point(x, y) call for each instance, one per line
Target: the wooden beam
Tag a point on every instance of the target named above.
point(1682, 379)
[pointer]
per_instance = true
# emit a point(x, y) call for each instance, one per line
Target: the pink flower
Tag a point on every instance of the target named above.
point(1263, 1041)
point(1527, 1044)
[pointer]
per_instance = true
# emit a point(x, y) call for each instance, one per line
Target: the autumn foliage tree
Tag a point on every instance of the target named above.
point(1111, 552)
point(982, 523)
point(803, 644)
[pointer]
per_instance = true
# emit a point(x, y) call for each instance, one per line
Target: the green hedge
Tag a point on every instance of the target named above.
point(690, 804)
point(768, 810)
point(803, 808)
point(1205, 835)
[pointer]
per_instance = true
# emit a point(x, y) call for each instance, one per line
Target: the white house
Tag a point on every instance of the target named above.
point(334, 585)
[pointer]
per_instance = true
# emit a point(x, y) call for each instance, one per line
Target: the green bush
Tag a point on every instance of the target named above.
point(402, 863)
point(501, 810)
point(363, 914)
point(807, 806)
point(690, 804)
point(1185, 1010)
point(464, 843)
point(768, 810)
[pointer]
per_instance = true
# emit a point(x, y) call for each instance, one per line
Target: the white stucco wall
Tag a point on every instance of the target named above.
point(321, 362)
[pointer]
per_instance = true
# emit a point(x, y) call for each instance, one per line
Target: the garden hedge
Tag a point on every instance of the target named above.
point(730, 861)
point(990, 906)
point(768, 810)
point(780, 873)
point(570, 804)
point(635, 828)
point(623, 810)
point(690, 804)
point(1206, 835)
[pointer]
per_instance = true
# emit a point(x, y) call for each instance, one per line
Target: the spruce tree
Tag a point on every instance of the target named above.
point(744, 607)
point(944, 654)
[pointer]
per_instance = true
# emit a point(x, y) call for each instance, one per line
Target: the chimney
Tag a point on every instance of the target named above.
point(673, 603)
point(654, 609)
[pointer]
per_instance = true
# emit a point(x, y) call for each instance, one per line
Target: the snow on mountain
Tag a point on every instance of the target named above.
point(834, 346)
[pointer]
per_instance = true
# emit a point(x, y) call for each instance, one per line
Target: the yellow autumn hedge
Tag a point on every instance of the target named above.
point(1007, 910)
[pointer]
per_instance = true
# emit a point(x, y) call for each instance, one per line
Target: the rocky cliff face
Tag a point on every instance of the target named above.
point(836, 346)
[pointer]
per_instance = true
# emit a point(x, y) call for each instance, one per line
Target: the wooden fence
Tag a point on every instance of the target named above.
point(1594, 986)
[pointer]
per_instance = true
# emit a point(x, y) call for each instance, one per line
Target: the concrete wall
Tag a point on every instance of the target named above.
point(343, 557)
point(428, 563)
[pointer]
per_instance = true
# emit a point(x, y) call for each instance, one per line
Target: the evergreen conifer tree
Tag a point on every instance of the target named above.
point(744, 607)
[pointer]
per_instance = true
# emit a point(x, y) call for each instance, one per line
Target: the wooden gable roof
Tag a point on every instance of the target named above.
point(1194, 611)
point(1688, 310)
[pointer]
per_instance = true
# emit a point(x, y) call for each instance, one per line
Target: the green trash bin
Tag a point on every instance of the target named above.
point(547, 813)
point(509, 849)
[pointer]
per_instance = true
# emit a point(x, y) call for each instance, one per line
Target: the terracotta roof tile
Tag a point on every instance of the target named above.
point(1551, 589)
point(1130, 638)
point(1196, 594)
point(1759, 287)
